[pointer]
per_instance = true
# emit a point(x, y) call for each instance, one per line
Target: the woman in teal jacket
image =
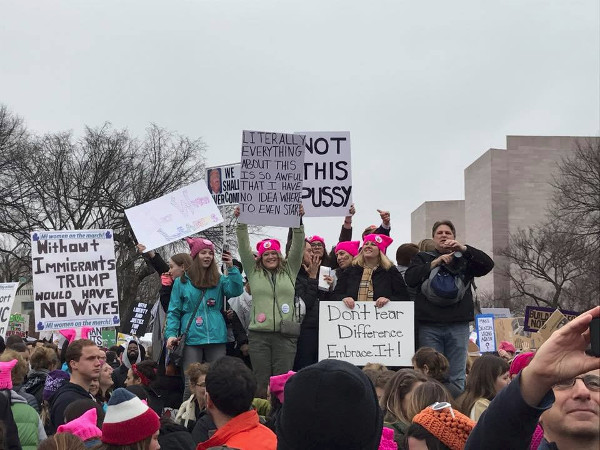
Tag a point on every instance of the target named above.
point(272, 283)
point(201, 289)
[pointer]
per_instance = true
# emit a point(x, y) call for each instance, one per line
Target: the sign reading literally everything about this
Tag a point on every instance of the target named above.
point(74, 279)
point(174, 216)
point(327, 189)
point(137, 319)
point(486, 337)
point(7, 298)
point(224, 184)
point(271, 178)
point(367, 333)
point(536, 316)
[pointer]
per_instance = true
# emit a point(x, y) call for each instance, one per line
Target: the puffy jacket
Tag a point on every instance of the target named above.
point(272, 294)
point(208, 327)
point(243, 431)
point(29, 424)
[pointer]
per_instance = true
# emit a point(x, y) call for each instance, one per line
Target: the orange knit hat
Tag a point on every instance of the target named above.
point(449, 426)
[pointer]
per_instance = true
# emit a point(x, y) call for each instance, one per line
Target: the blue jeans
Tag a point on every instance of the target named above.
point(451, 339)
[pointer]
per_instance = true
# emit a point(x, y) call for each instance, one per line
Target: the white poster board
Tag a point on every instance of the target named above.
point(498, 313)
point(327, 189)
point(271, 178)
point(174, 216)
point(367, 334)
point(223, 183)
point(7, 298)
point(486, 336)
point(74, 279)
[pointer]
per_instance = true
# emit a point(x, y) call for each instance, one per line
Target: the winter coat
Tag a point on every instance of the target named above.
point(243, 431)
point(272, 293)
point(478, 264)
point(161, 267)
point(186, 414)
point(155, 401)
point(66, 395)
point(308, 290)
point(29, 424)
point(204, 427)
point(208, 326)
point(175, 437)
point(386, 283)
point(119, 375)
point(35, 383)
point(30, 399)
point(11, 434)
point(242, 305)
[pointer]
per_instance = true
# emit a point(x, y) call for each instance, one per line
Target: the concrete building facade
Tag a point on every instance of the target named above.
point(423, 218)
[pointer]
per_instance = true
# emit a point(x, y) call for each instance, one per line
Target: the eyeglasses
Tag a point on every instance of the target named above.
point(592, 382)
point(316, 244)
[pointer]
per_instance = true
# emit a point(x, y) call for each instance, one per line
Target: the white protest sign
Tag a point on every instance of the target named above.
point(74, 279)
point(367, 333)
point(323, 272)
point(7, 298)
point(486, 336)
point(174, 216)
point(498, 313)
point(271, 178)
point(95, 335)
point(327, 189)
point(223, 183)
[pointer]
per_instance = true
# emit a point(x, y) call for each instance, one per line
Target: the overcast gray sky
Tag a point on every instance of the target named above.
point(424, 87)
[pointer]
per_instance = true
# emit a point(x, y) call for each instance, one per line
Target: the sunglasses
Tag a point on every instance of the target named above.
point(592, 382)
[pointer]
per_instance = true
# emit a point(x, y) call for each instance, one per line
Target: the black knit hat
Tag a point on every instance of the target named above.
point(330, 405)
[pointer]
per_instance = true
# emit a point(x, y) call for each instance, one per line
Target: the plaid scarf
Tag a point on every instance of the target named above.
point(365, 288)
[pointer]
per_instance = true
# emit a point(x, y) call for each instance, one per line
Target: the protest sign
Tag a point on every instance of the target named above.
point(109, 337)
point(486, 338)
point(271, 178)
point(554, 322)
point(74, 279)
point(498, 313)
point(223, 183)
point(327, 189)
point(18, 325)
point(324, 271)
point(536, 316)
point(174, 216)
point(95, 335)
point(367, 333)
point(7, 298)
point(137, 319)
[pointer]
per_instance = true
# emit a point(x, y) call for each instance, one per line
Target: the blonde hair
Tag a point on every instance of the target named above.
point(19, 371)
point(384, 261)
point(427, 245)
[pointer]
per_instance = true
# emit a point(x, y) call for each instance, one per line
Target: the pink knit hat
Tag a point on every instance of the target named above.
point(277, 384)
point(315, 238)
point(520, 362)
point(387, 440)
point(84, 427)
point(198, 244)
point(348, 246)
point(507, 347)
point(268, 244)
point(5, 378)
point(381, 240)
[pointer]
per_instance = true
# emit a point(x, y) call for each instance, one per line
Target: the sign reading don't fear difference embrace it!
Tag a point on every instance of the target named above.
point(366, 333)
point(74, 279)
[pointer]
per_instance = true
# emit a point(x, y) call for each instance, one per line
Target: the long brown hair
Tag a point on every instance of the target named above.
point(481, 382)
point(395, 391)
point(62, 441)
point(199, 276)
point(437, 364)
point(140, 445)
point(426, 395)
point(182, 259)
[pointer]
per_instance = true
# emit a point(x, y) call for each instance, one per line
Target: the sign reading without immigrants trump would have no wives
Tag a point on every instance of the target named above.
point(327, 188)
point(367, 333)
point(74, 279)
point(271, 178)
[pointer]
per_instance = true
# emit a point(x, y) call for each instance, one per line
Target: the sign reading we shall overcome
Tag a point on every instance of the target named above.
point(74, 279)
point(271, 178)
point(366, 333)
point(224, 184)
point(327, 189)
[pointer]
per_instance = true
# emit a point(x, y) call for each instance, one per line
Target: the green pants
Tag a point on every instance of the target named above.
point(270, 354)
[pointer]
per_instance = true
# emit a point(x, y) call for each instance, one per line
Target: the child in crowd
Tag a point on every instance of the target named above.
point(439, 427)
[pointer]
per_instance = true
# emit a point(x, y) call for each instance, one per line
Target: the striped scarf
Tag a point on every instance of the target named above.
point(365, 288)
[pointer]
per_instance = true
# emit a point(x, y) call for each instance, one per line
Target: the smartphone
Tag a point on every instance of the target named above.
point(595, 336)
point(225, 248)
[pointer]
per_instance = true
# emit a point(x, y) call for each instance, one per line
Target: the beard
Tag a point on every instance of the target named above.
point(132, 356)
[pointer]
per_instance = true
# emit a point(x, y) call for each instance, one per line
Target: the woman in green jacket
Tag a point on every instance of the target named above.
point(272, 282)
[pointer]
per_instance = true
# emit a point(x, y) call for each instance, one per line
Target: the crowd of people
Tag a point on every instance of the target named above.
point(235, 360)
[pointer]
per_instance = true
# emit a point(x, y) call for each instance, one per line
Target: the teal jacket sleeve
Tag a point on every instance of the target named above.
point(175, 312)
point(233, 284)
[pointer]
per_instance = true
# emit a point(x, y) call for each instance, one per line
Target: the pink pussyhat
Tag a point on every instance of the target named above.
point(507, 347)
point(277, 384)
point(315, 238)
point(72, 334)
point(5, 377)
point(84, 427)
point(381, 240)
point(199, 244)
point(348, 246)
point(268, 244)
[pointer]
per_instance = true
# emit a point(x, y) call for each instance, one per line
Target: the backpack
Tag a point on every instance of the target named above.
point(444, 287)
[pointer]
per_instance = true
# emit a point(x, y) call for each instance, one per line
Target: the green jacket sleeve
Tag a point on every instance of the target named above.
point(296, 251)
point(175, 312)
point(244, 248)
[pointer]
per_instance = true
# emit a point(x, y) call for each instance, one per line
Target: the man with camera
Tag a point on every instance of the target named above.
point(444, 301)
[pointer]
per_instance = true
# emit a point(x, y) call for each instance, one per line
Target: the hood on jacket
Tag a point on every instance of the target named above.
point(68, 387)
point(141, 354)
point(16, 398)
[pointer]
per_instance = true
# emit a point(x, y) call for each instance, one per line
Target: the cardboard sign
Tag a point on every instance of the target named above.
point(224, 184)
point(486, 338)
point(327, 189)
point(367, 333)
point(7, 298)
point(174, 216)
point(137, 320)
point(555, 321)
point(74, 279)
point(536, 316)
point(18, 325)
point(271, 178)
point(498, 313)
